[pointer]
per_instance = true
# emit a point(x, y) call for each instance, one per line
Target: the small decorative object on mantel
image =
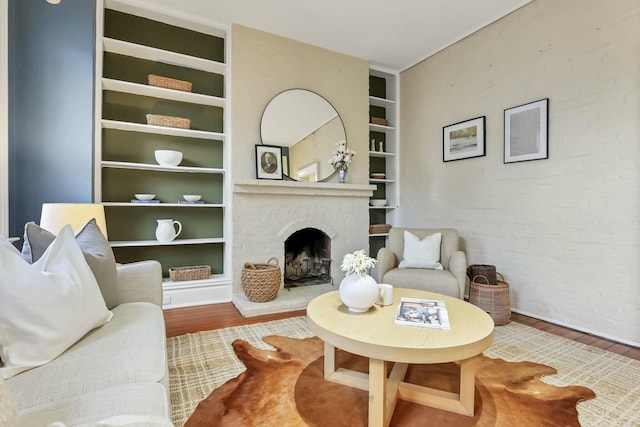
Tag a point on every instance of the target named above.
point(358, 291)
point(261, 282)
point(195, 272)
point(169, 83)
point(341, 160)
point(269, 162)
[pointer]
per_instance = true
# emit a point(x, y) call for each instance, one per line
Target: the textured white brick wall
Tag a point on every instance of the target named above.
point(565, 232)
point(262, 223)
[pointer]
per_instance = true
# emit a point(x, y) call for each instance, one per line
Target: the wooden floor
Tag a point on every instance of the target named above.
point(207, 317)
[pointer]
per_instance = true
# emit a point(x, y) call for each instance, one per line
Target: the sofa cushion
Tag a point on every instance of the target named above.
point(131, 348)
point(8, 408)
point(423, 253)
point(47, 306)
point(95, 248)
point(137, 402)
point(439, 281)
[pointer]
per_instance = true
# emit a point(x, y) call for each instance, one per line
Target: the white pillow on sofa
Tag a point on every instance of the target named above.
point(423, 253)
point(47, 306)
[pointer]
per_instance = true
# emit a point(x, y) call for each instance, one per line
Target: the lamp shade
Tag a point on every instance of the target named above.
point(56, 215)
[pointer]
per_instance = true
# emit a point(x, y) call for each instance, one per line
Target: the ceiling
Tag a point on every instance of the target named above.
point(393, 35)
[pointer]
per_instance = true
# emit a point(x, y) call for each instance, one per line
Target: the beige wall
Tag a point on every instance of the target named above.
point(265, 64)
point(564, 231)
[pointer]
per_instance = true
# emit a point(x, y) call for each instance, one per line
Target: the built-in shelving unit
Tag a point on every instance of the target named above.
point(383, 157)
point(132, 43)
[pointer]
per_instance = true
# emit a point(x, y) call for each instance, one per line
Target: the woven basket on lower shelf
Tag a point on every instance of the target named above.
point(169, 83)
point(261, 282)
point(195, 272)
point(168, 121)
point(494, 299)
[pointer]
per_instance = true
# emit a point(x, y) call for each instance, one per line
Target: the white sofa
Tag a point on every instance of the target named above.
point(116, 370)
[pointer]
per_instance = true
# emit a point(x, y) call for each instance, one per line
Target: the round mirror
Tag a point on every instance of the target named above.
point(307, 127)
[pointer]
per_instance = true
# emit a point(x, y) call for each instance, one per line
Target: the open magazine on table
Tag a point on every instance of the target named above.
point(424, 313)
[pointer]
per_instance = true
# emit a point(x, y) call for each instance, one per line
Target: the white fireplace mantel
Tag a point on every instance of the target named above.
point(295, 188)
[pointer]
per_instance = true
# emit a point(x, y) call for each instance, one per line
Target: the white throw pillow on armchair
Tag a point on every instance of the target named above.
point(423, 253)
point(47, 306)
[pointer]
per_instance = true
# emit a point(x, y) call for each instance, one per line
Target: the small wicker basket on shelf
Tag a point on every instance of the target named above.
point(169, 83)
point(195, 272)
point(261, 282)
point(494, 299)
point(379, 121)
point(168, 121)
point(379, 228)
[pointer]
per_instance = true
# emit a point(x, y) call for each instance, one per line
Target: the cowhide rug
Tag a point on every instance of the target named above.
point(286, 388)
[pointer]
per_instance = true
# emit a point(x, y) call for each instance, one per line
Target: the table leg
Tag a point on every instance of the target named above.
point(330, 360)
point(468, 384)
point(377, 393)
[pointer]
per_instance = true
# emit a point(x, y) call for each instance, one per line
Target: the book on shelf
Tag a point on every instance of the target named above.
point(424, 313)
point(195, 202)
point(145, 201)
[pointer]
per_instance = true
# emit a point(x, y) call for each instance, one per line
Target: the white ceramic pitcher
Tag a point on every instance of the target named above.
point(166, 230)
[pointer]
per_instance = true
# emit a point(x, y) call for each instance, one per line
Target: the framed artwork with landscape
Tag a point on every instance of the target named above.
point(526, 132)
point(464, 140)
point(268, 162)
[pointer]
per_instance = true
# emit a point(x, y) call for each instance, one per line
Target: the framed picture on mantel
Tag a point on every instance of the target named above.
point(526, 132)
point(268, 162)
point(464, 140)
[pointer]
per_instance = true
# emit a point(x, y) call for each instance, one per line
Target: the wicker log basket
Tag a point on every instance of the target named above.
point(261, 282)
point(494, 299)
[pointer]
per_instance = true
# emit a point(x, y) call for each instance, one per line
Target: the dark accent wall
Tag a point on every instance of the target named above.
point(51, 108)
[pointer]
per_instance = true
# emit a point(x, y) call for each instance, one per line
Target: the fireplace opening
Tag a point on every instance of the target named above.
point(307, 254)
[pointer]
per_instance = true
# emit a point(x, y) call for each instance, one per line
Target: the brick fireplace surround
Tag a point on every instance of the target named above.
point(267, 212)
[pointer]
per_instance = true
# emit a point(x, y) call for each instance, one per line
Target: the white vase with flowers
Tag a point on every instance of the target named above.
point(358, 291)
point(341, 160)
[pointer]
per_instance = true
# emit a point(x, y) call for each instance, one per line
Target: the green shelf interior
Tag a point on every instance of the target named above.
point(197, 222)
point(375, 244)
point(143, 31)
point(120, 185)
point(139, 147)
point(377, 87)
point(377, 216)
point(136, 70)
point(176, 256)
point(131, 108)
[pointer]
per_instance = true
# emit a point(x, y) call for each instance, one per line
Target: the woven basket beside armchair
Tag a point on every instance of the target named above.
point(261, 282)
point(494, 299)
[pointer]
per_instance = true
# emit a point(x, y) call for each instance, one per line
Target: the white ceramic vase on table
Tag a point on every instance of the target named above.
point(359, 292)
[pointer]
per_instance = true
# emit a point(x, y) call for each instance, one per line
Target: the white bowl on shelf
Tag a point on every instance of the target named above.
point(378, 202)
point(145, 197)
point(168, 157)
point(192, 197)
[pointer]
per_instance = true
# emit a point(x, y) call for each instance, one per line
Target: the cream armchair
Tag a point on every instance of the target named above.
point(449, 281)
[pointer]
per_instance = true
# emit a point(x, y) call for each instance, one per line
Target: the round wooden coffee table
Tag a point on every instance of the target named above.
point(375, 335)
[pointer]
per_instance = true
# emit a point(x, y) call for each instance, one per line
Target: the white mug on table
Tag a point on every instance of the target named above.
point(386, 294)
